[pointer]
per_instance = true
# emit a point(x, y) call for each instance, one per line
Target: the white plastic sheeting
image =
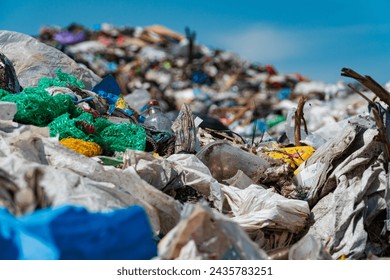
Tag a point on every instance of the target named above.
point(204, 233)
point(257, 208)
point(176, 171)
point(347, 190)
point(33, 60)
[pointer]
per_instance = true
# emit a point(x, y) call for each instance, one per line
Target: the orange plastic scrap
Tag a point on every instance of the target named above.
point(293, 155)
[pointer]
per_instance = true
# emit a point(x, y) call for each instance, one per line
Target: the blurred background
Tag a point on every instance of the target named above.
point(315, 39)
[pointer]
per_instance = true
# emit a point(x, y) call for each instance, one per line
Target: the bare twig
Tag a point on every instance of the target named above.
point(298, 118)
point(361, 94)
point(381, 93)
point(382, 131)
point(254, 131)
point(369, 83)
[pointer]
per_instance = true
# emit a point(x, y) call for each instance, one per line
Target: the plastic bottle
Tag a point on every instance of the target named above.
point(156, 118)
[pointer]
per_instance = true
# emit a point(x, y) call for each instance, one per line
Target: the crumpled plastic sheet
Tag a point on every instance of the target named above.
point(176, 171)
point(348, 190)
point(254, 208)
point(258, 208)
point(204, 233)
point(33, 60)
point(198, 176)
point(308, 248)
point(70, 178)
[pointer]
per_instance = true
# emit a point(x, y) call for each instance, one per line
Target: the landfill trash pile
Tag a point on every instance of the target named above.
point(140, 143)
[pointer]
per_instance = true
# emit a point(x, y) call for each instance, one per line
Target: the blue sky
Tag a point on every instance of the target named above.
point(314, 38)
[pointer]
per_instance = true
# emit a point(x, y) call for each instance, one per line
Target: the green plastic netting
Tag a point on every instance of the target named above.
point(119, 137)
point(66, 127)
point(36, 106)
point(3, 93)
point(111, 137)
point(62, 79)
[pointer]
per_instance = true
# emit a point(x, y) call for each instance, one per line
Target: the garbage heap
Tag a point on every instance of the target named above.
point(255, 164)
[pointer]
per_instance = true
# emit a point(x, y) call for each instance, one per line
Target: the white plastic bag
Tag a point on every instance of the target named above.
point(34, 60)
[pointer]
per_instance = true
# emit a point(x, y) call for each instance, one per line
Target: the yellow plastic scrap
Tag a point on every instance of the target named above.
point(293, 155)
point(121, 103)
point(89, 149)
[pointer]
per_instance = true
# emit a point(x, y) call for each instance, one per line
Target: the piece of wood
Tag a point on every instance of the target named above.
point(298, 118)
point(382, 132)
point(369, 83)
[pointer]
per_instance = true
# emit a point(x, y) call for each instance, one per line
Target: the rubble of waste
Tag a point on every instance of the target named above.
point(141, 143)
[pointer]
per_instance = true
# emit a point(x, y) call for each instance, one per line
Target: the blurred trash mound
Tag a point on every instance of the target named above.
point(148, 144)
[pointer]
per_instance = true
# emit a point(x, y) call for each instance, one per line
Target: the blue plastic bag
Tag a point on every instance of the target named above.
point(109, 89)
point(108, 84)
point(70, 232)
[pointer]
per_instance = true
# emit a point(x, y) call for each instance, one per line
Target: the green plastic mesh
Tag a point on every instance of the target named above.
point(62, 79)
point(119, 137)
point(111, 137)
point(3, 93)
point(37, 107)
point(101, 124)
point(66, 127)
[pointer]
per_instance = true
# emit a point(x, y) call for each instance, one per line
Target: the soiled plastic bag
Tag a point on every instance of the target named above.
point(198, 176)
point(33, 60)
point(174, 172)
point(348, 190)
point(256, 207)
point(206, 234)
point(269, 218)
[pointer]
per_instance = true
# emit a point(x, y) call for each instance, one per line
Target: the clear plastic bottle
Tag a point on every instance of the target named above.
point(156, 118)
